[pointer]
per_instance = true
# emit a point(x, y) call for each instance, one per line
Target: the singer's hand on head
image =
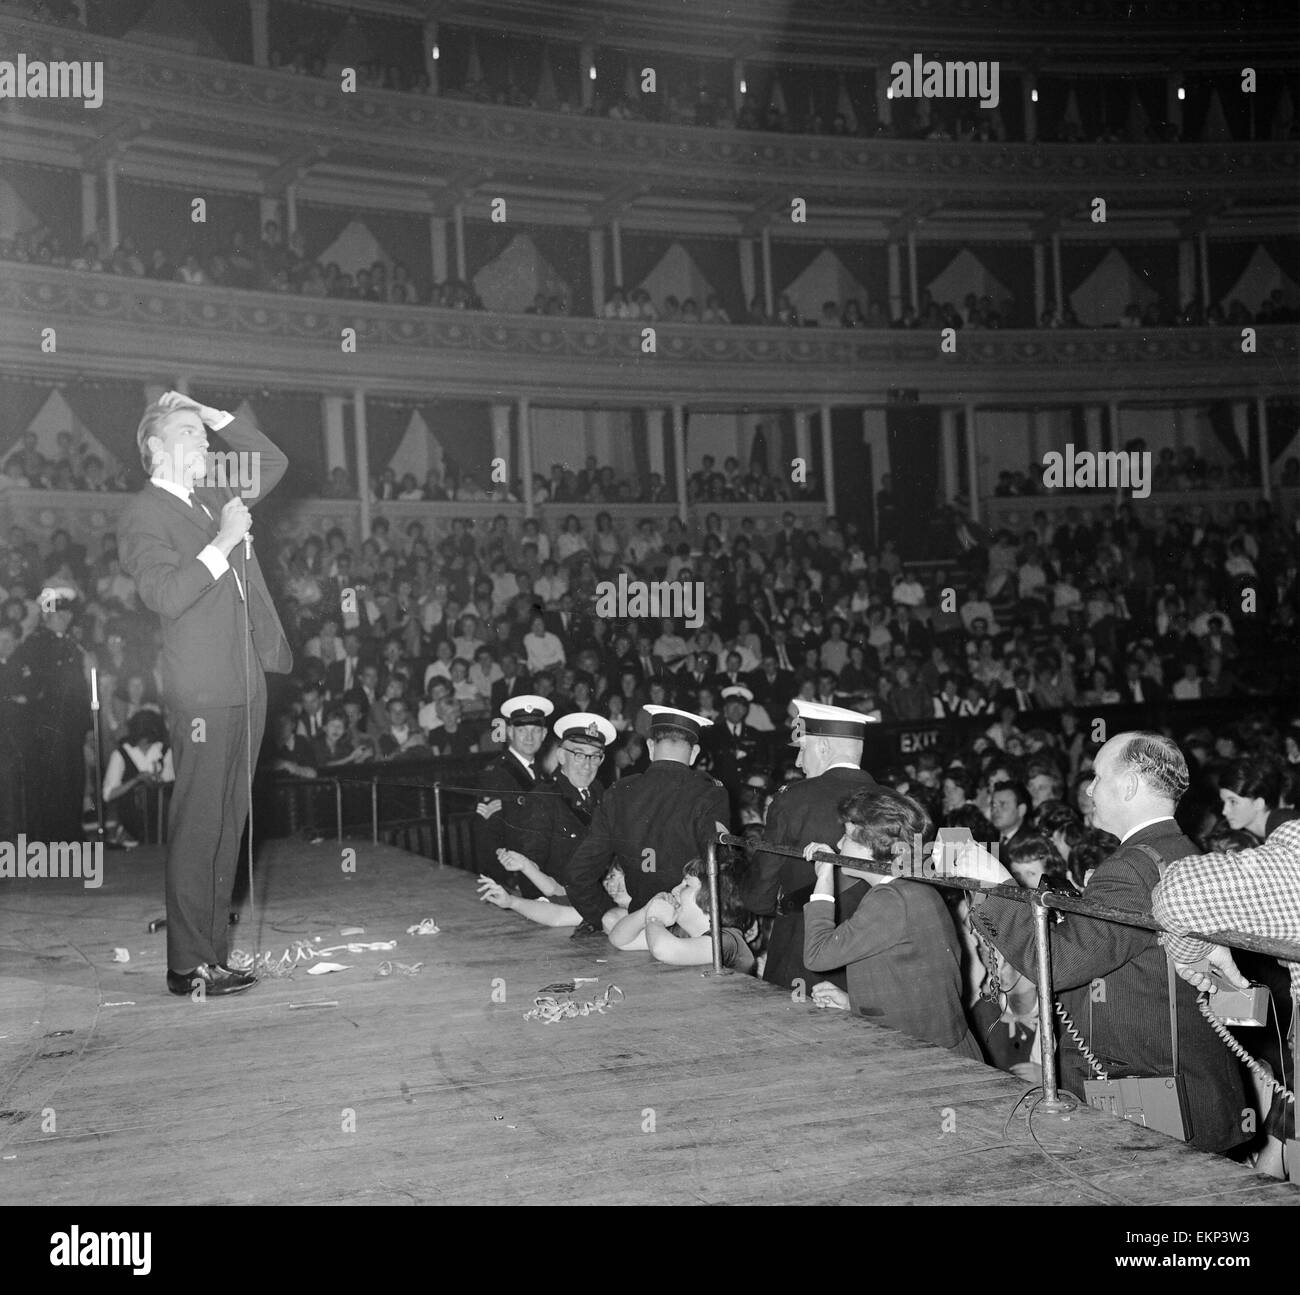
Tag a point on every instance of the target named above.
point(176, 400)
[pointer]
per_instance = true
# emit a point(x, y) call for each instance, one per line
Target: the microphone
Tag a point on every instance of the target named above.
point(248, 545)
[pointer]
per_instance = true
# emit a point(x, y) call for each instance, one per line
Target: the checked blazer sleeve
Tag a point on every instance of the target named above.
point(1255, 891)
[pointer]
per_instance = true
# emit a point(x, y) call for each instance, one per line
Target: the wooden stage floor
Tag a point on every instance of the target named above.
point(690, 1091)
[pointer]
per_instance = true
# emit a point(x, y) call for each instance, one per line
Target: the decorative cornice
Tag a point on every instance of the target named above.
point(180, 92)
point(109, 325)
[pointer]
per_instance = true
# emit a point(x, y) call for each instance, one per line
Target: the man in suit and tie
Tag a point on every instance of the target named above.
point(648, 666)
point(506, 787)
point(788, 661)
point(341, 676)
point(513, 682)
point(1138, 688)
point(1009, 806)
point(182, 542)
point(772, 687)
point(1139, 778)
point(830, 740)
point(311, 719)
point(1021, 696)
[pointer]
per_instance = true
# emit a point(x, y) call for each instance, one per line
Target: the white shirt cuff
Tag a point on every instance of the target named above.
point(215, 561)
point(222, 419)
point(830, 899)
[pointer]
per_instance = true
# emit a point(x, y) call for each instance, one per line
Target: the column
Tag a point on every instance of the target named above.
point(110, 197)
point(438, 246)
point(335, 440)
point(1058, 282)
point(1173, 105)
point(89, 204)
point(363, 458)
point(1261, 427)
point(679, 455)
point(501, 438)
point(656, 447)
point(737, 80)
point(596, 254)
point(430, 57)
point(1186, 272)
point(1030, 92)
point(1239, 411)
point(913, 280)
point(258, 10)
point(1116, 434)
point(802, 437)
point(1203, 246)
point(616, 251)
point(1031, 433)
point(828, 462)
point(458, 216)
point(948, 452)
point(290, 210)
point(587, 58)
point(972, 465)
point(524, 436)
point(267, 209)
point(769, 297)
point(895, 281)
point(1040, 282)
point(1093, 432)
point(181, 383)
point(748, 273)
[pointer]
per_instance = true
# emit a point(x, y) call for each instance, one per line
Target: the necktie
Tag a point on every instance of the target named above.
point(583, 796)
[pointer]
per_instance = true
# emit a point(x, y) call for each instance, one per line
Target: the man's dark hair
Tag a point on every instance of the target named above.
point(880, 818)
point(1018, 789)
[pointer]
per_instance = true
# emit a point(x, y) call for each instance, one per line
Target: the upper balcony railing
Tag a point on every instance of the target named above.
point(111, 326)
point(179, 93)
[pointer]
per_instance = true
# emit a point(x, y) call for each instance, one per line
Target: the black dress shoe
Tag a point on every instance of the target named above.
point(216, 981)
point(587, 931)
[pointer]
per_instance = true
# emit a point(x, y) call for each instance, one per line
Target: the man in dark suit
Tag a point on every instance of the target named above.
point(183, 544)
point(342, 676)
point(1138, 688)
point(1139, 780)
point(1021, 696)
point(696, 674)
point(772, 687)
point(830, 740)
point(513, 682)
point(503, 815)
point(651, 823)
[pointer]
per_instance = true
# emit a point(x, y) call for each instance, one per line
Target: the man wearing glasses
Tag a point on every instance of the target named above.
point(560, 810)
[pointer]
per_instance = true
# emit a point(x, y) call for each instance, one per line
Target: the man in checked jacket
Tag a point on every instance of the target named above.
point(1113, 979)
point(1256, 892)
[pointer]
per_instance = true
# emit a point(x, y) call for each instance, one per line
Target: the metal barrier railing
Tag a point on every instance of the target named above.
point(1041, 902)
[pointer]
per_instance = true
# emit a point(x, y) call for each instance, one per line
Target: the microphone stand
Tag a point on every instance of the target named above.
point(99, 757)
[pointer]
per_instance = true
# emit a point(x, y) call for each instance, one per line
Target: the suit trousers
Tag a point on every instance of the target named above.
point(209, 809)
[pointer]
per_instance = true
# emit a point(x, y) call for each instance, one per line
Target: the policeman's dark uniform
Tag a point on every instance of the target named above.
point(559, 823)
point(15, 684)
point(801, 813)
point(57, 717)
point(651, 823)
point(512, 827)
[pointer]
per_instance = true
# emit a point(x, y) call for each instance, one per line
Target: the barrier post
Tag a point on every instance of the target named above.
point(1052, 1101)
point(374, 810)
point(437, 818)
point(715, 925)
point(338, 808)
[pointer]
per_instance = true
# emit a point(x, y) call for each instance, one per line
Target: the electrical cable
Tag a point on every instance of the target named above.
point(248, 735)
point(1258, 1067)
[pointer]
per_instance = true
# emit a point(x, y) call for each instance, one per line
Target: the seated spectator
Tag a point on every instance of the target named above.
point(1251, 791)
point(901, 947)
point(334, 745)
point(403, 737)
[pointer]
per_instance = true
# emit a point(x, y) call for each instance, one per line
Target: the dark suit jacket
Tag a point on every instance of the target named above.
point(1126, 1023)
point(903, 957)
point(801, 812)
point(159, 538)
point(504, 689)
point(558, 822)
